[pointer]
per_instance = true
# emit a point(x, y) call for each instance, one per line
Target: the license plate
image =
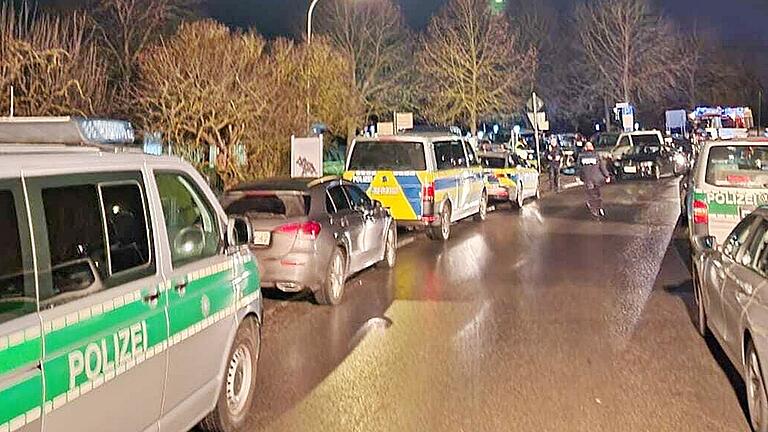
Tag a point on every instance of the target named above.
point(262, 238)
point(630, 169)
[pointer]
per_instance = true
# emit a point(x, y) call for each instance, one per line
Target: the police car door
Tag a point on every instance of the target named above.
point(201, 280)
point(102, 309)
point(21, 381)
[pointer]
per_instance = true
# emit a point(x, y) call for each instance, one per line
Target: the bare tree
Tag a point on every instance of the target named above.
point(130, 26)
point(52, 63)
point(375, 41)
point(629, 47)
point(472, 65)
point(210, 87)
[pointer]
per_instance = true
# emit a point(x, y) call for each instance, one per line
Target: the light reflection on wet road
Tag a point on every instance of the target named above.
point(535, 320)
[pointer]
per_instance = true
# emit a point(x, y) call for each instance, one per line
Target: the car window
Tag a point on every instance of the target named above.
point(646, 140)
point(757, 247)
point(101, 242)
point(443, 155)
point(338, 200)
point(385, 155)
point(471, 156)
point(738, 166)
point(735, 244)
point(15, 299)
point(191, 224)
point(357, 197)
point(267, 204)
point(623, 142)
point(493, 162)
point(458, 157)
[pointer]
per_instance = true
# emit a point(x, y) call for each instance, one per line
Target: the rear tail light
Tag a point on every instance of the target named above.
point(309, 229)
point(700, 212)
point(500, 175)
point(428, 202)
point(428, 192)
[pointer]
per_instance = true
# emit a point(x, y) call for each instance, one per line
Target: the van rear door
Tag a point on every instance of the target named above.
point(388, 171)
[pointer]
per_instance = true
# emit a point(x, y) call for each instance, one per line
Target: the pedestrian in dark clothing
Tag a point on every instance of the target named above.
point(594, 173)
point(555, 158)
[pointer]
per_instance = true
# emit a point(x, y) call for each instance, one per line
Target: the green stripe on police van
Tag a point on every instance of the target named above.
point(201, 299)
point(19, 353)
point(22, 401)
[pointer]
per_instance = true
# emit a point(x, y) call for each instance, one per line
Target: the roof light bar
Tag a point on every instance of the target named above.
point(66, 130)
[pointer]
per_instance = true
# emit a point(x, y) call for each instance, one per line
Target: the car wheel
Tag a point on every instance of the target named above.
point(482, 213)
point(443, 231)
point(656, 172)
point(239, 387)
point(757, 400)
point(390, 249)
point(701, 313)
point(332, 290)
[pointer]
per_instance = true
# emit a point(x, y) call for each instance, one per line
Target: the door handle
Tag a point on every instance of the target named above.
point(152, 297)
point(181, 287)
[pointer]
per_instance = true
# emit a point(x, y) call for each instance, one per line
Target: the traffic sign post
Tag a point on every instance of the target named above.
point(539, 121)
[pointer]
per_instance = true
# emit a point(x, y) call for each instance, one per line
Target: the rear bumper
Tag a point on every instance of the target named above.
point(293, 272)
point(499, 193)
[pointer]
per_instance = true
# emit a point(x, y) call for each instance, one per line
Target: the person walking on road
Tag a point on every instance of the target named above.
point(555, 159)
point(594, 173)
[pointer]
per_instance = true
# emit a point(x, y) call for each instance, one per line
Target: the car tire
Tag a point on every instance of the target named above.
point(757, 398)
point(390, 249)
point(656, 172)
point(235, 401)
point(482, 213)
point(332, 290)
point(443, 231)
point(701, 312)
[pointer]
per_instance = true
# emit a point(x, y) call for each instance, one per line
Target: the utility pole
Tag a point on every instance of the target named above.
point(12, 101)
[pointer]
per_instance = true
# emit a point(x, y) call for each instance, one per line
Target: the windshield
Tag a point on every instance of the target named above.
point(267, 204)
point(640, 140)
point(738, 166)
point(648, 149)
point(607, 141)
point(493, 162)
point(387, 155)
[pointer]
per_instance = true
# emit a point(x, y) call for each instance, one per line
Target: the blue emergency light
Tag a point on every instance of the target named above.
point(102, 133)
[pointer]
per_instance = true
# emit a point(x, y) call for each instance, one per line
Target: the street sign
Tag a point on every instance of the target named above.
point(539, 121)
point(404, 121)
point(535, 104)
point(385, 128)
point(307, 157)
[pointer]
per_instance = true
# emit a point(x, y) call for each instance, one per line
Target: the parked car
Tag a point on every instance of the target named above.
point(731, 292)
point(311, 234)
point(509, 178)
point(128, 300)
point(646, 155)
point(426, 180)
point(727, 183)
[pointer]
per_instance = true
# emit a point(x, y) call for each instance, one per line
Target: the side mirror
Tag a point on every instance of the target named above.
point(239, 231)
point(709, 243)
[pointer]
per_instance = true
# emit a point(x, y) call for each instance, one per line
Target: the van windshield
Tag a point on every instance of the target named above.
point(738, 167)
point(387, 155)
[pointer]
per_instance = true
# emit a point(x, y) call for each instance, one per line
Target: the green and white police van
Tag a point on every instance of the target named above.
point(128, 300)
point(728, 182)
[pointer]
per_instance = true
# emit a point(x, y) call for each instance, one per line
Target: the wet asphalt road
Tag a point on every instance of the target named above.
point(535, 320)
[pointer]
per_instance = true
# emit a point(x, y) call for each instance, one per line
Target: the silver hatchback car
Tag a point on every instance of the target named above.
point(311, 234)
point(731, 291)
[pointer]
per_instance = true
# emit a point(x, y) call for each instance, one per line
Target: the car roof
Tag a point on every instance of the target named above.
point(66, 159)
point(740, 142)
point(286, 184)
point(412, 137)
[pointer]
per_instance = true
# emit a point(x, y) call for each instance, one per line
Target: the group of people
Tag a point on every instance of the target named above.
point(592, 169)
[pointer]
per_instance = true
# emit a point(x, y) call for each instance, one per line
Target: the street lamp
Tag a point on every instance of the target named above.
point(309, 20)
